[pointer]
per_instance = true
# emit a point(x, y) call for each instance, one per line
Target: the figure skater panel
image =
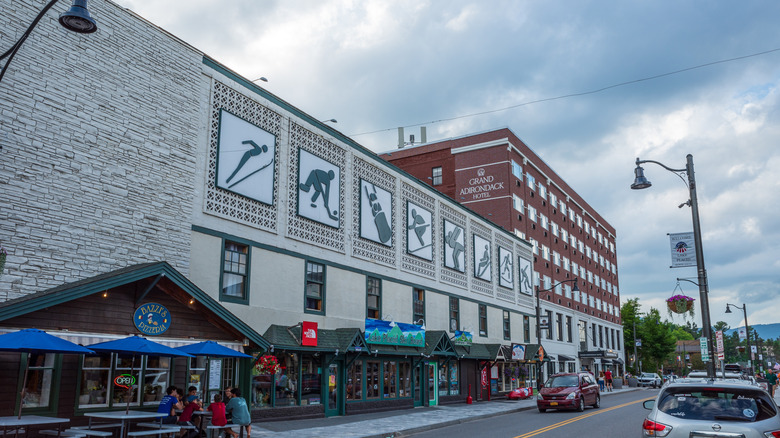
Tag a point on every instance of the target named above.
point(526, 276)
point(454, 247)
point(483, 260)
point(245, 158)
point(506, 270)
point(376, 213)
point(318, 189)
point(419, 231)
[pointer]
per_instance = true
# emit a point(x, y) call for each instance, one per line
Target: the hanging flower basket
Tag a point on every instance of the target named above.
point(680, 304)
point(267, 365)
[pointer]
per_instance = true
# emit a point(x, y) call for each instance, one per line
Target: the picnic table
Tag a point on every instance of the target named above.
point(15, 423)
point(125, 418)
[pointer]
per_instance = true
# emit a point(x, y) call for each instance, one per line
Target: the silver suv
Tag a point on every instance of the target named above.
point(649, 379)
point(694, 407)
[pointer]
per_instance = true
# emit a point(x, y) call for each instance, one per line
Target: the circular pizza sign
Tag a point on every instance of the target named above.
point(152, 319)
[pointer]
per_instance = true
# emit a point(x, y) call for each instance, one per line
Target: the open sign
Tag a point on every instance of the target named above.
point(124, 381)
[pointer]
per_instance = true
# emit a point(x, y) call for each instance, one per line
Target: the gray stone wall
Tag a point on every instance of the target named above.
point(98, 138)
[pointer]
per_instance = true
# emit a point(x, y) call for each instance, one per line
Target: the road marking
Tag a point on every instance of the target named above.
point(581, 417)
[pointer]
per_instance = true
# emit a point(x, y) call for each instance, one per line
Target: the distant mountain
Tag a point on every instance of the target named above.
point(766, 331)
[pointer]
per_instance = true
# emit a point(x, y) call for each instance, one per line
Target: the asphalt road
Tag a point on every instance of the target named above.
point(620, 416)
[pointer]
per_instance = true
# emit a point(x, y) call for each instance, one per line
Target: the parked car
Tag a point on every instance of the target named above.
point(711, 408)
point(649, 379)
point(569, 391)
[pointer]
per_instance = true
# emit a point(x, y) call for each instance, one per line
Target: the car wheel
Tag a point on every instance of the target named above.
point(542, 410)
point(581, 405)
point(598, 402)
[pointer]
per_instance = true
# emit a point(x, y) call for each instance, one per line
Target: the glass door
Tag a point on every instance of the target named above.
point(333, 405)
point(433, 384)
point(417, 384)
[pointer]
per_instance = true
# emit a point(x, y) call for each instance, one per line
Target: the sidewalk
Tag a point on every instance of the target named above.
point(395, 423)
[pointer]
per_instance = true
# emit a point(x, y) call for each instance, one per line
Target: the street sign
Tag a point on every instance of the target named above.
point(719, 340)
point(705, 353)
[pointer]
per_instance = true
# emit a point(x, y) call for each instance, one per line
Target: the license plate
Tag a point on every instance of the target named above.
point(553, 403)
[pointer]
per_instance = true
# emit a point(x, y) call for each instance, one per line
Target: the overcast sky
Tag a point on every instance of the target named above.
point(378, 65)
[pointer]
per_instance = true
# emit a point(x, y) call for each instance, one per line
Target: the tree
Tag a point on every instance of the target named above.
point(658, 343)
point(629, 314)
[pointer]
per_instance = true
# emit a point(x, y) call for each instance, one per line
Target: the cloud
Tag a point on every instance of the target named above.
point(376, 65)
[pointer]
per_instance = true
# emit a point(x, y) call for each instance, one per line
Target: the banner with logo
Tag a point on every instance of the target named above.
point(683, 249)
point(742, 333)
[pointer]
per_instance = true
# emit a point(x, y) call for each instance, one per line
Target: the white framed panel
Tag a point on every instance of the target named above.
point(483, 260)
point(419, 235)
point(245, 158)
point(454, 247)
point(318, 189)
point(376, 213)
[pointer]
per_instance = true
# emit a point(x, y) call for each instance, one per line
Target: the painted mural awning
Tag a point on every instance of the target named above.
point(342, 340)
point(135, 284)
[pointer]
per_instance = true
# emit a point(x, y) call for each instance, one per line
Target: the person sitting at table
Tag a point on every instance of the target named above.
point(185, 419)
point(239, 410)
point(217, 409)
point(168, 404)
point(192, 395)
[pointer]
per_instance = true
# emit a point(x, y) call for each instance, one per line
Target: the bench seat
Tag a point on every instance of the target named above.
point(153, 432)
point(68, 433)
point(90, 432)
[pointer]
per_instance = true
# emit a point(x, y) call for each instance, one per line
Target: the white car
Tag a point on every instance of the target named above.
point(649, 379)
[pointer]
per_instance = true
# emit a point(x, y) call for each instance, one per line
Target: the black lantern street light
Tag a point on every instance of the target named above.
point(640, 182)
point(76, 19)
point(538, 325)
point(747, 332)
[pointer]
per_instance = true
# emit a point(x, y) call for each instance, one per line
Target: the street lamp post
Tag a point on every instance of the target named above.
point(538, 327)
point(747, 332)
point(640, 182)
point(76, 19)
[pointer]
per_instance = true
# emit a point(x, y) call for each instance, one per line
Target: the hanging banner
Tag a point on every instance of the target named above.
point(742, 333)
point(683, 252)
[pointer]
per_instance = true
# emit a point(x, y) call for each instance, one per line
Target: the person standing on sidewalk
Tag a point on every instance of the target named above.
point(771, 379)
point(608, 379)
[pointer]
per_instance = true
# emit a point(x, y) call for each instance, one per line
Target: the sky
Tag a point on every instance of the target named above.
point(588, 85)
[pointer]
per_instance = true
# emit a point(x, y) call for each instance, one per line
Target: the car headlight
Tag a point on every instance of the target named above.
point(571, 396)
point(539, 396)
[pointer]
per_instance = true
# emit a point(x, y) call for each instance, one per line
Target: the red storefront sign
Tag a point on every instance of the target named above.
point(309, 334)
point(484, 378)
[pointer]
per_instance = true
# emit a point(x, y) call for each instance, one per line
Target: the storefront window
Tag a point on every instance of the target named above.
point(37, 393)
point(261, 388)
point(131, 367)
point(94, 380)
point(453, 378)
point(286, 379)
point(355, 381)
point(404, 379)
point(311, 386)
point(390, 379)
point(372, 379)
point(156, 378)
point(197, 377)
point(443, 385)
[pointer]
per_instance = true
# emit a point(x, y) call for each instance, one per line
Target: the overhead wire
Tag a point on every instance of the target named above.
point(583, 93)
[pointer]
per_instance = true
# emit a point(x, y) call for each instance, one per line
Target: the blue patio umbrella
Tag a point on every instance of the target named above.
point(37, 341)
point(134, 346)
point(211, 349)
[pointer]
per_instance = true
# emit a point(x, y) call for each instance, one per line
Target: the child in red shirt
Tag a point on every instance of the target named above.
point(217, 408)
point(185, 419)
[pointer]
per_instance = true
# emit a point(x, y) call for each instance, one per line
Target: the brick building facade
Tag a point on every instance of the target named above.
point(499, 177)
